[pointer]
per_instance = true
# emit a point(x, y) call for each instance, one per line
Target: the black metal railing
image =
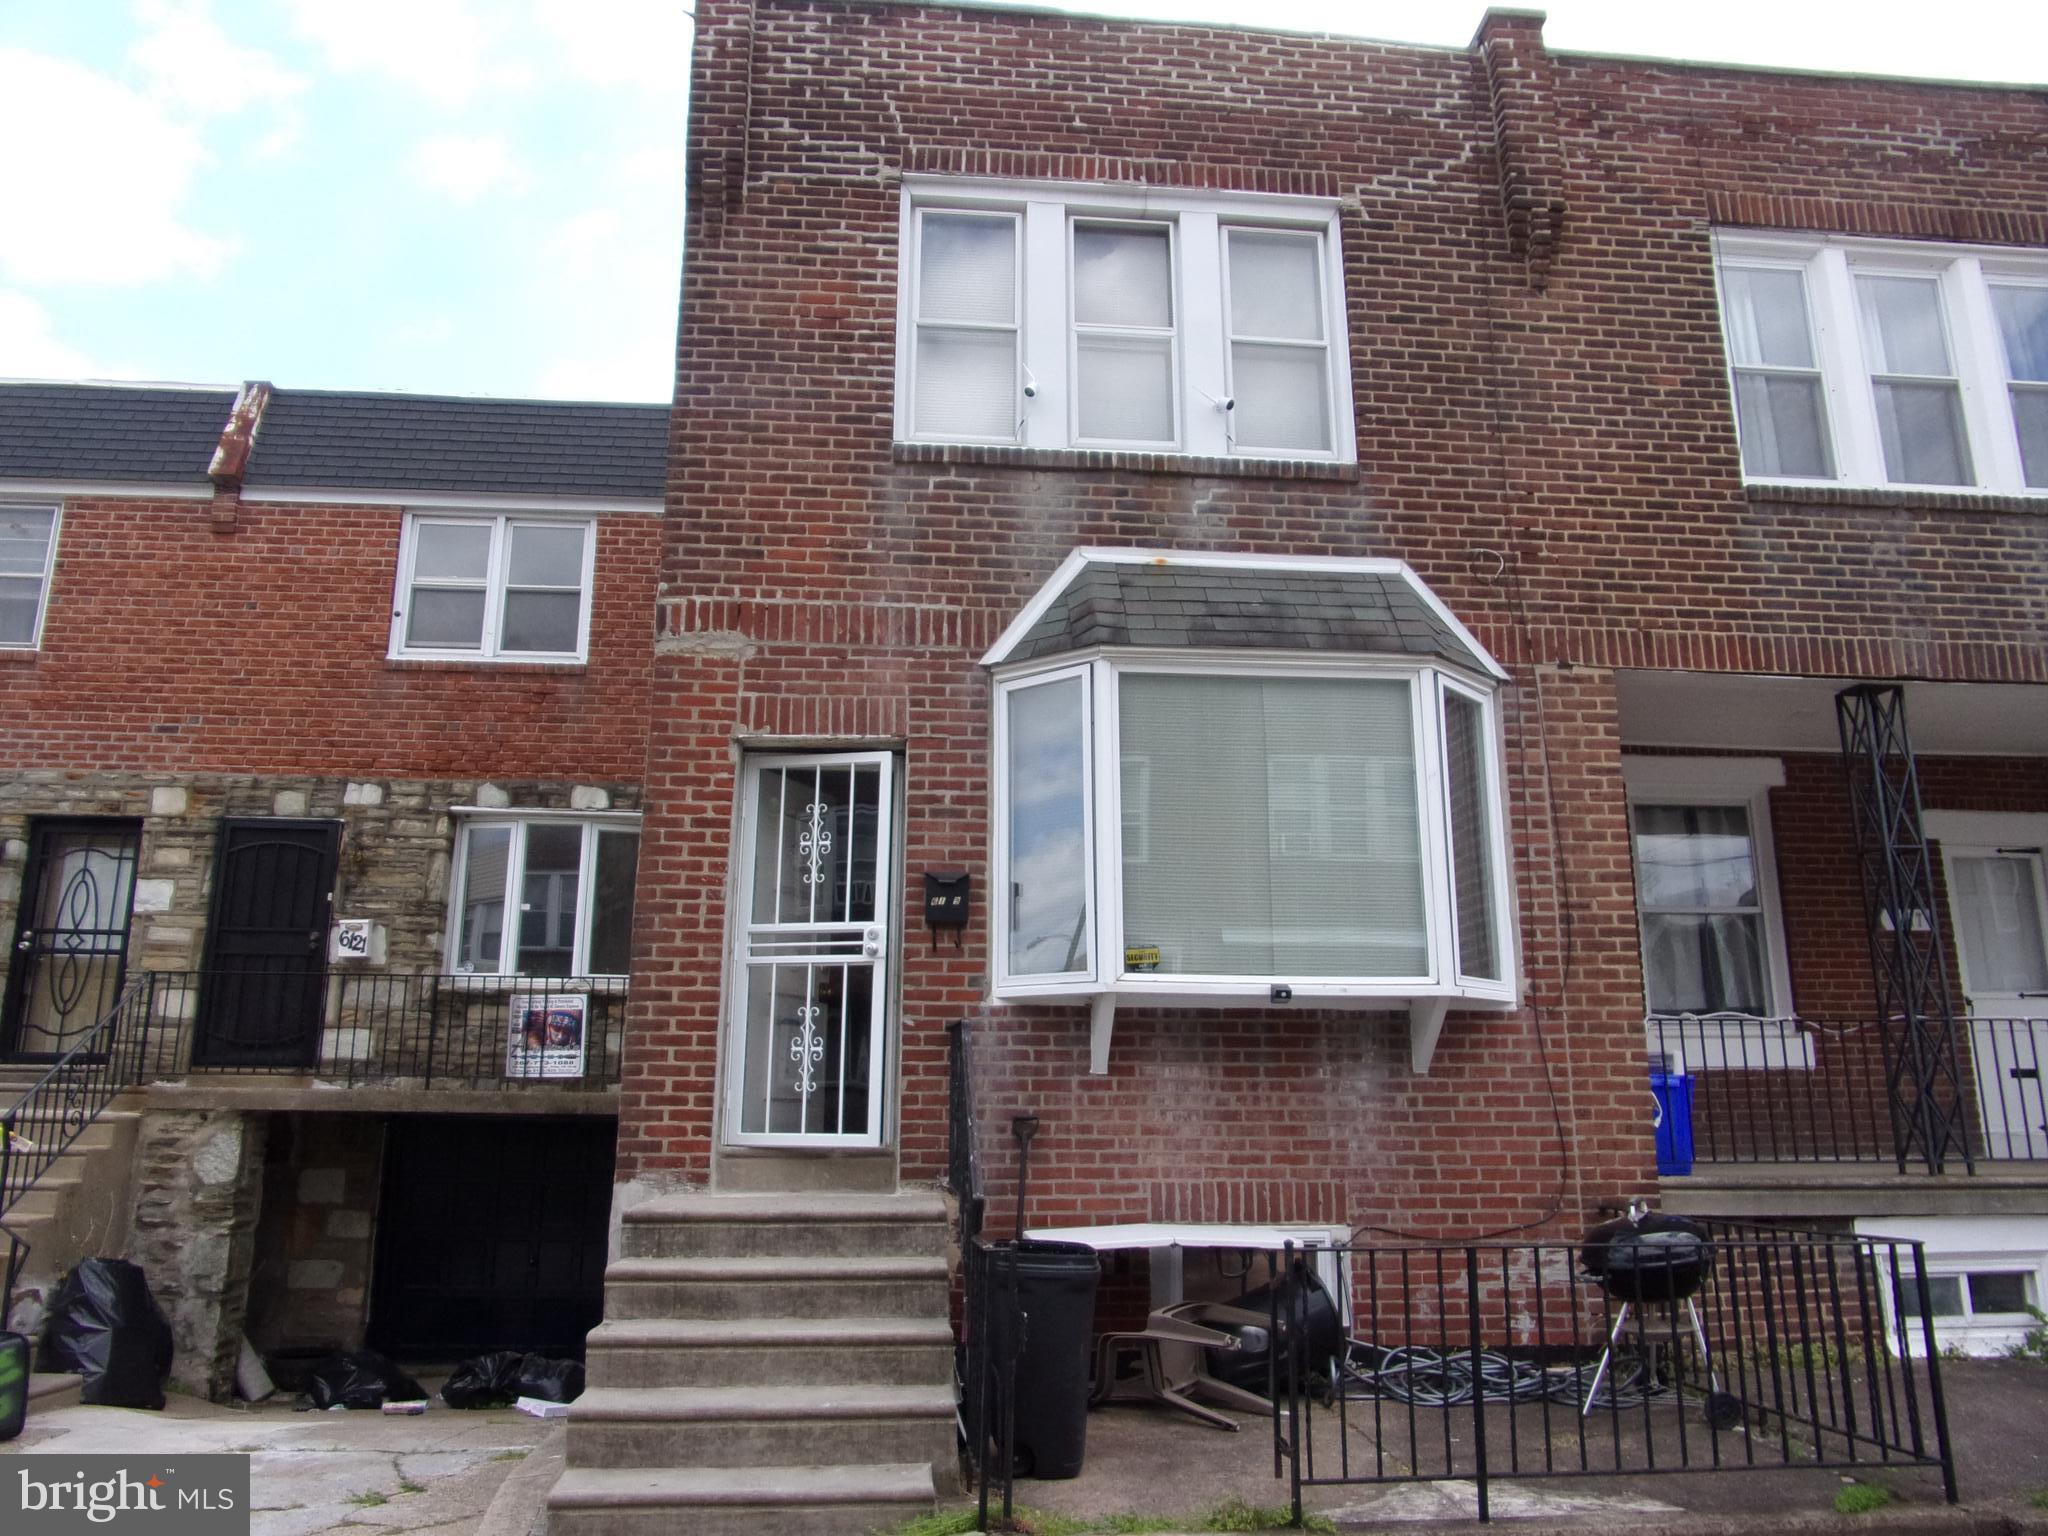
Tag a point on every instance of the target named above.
point(380, 1027)
point(17, 1260)
point(1485, 1362)
point(1819, 1091)
point(71, 1093)
point(963, 1154)
point(994, 1330)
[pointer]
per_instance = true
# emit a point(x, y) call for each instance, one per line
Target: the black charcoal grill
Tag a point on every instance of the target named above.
point(1643, 1259)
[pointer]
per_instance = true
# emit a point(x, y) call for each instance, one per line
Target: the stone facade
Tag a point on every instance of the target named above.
point(316, 1242)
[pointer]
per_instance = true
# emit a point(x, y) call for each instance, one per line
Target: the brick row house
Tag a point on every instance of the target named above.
point(323, 769)
point(1345, 555)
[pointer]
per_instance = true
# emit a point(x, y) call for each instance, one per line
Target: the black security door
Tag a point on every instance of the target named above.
point(491, 1235)
point(70, 952)
point(265, 980)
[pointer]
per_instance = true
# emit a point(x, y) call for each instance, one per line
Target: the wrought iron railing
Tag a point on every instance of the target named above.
point(37, 1128)
point(1487, 1362)
point(1818, 1091)
point(363, 1027)
point(963, 1154)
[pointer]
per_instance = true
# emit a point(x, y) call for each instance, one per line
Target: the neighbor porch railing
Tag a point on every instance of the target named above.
point(69, 1096)
point(361, 1028)
point(1801, 1090)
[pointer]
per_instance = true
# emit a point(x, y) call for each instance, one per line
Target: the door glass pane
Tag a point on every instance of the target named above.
point(807, 1051)
point(547, 900)
point(446, 618)
point(1125, 388)
point(1281, 397)
point(611, 908)
point(775, 826)
point(1123, 276)
point(1999, 923)
point(1048, 856)
point(966, 384)
point(1921, 427)
point(1275, 285)
point(1694, 856)
point(967, 269)
point(480, 945)
point(1781, 425)
point(1765, 317)
point(451, 551)
point(1704, 963)
point(1467, 773)
point(542, 621)
point(546, 556)
point(1282, 833)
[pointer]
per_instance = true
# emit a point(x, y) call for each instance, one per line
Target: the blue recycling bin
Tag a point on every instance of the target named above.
point(1672, 1092)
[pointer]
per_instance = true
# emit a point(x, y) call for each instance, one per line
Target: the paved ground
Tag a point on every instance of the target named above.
point(361, 1473)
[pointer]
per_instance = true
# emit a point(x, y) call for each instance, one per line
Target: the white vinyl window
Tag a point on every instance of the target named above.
point(1063, 316)
point(28, 549)
point(1886, 363)
point(507, 587)
point(541, 896)
point(1211, 826)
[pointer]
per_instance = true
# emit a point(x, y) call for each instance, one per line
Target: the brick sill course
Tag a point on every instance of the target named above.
point(520, 668)
point(1195, 465)
point(1881, 496)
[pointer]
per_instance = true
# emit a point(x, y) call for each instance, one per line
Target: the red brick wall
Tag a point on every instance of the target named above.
point(170, 647)
point(1544, 434)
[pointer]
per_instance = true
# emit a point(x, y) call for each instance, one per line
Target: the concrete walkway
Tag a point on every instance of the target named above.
point(362, 1473)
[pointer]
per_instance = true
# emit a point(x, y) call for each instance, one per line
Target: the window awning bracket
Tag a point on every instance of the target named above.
point(1425, 1025)
point(1101, 1023)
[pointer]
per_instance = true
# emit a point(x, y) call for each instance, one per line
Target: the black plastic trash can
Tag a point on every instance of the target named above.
point(1056, 1293)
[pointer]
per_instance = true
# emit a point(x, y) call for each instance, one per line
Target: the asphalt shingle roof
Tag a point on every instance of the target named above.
point(334, 440)
point(1260, 609)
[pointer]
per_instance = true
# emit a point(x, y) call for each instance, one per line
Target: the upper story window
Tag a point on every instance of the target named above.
point(28, 547)
point(1082, 317)
point(509, 587)
point(1887, 363)
point(544, 895)
point(1189, 822)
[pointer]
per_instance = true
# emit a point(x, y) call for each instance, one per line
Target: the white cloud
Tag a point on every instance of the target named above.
point(30, 348)
point(464, 167)
point(641, 43)
point(443, 49)
point(93, 179)
point(187, 61)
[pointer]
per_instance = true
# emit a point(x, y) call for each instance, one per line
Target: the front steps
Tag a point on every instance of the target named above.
point(773, 1362)
point(79, 1206)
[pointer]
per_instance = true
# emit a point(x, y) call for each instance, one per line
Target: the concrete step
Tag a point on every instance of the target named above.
point(775, 1287)
point(796, 1226)
point(827, 1351)
point(754, 1426)
point(51, 1390)
point(739, 1501)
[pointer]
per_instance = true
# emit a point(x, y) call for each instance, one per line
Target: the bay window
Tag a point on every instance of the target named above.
point(1886, 363)
point(1065, 316)
point(544, 896)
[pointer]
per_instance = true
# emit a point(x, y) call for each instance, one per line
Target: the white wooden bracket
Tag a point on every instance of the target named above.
point(1101, 1023)
point(1425, 1024)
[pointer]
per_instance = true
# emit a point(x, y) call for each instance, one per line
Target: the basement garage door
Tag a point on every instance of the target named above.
point(491, 1235)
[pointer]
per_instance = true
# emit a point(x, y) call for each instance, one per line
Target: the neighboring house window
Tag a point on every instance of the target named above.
point(507, 587)
point(28, 546)
point(1199, 827)
point(1706, 894)
point(1061, 316)
point(544, 896)
point(1987, 1278)
point(1887, 363)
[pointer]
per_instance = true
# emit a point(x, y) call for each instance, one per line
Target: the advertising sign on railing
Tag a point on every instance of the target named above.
point(545, 1037)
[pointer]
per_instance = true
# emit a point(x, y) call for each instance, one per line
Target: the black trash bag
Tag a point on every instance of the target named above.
point(484, 1381)
point(362, 1379)
point(106, 1326)
point(552, 1381)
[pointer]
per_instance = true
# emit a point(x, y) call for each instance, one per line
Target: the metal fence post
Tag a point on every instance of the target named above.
point(1948, 1455)
point(1478, 1382)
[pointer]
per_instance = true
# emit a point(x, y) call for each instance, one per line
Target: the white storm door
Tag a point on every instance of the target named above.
point(808, 1045)
point(2000, 900)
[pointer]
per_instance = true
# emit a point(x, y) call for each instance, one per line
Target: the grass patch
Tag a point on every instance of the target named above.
point(510, 1456)
point(2038, 1498)
point(1230, 1515)
point(368, 1499)
point(1861, 1499)
point(407, 1485)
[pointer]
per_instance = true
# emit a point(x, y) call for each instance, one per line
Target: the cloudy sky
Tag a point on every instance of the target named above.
point(485, 196)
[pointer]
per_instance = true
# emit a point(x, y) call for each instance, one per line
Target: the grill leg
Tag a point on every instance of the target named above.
point(1606, 1358)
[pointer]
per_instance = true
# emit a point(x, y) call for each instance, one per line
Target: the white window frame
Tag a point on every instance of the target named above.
point(1715, 1041)
point(1104, 830)
point(496, 574)
point(1831, 264)
point(913, 322)
point(56, 511)
point(470, 820)
point(1960, 1246)
point(1199, 225)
